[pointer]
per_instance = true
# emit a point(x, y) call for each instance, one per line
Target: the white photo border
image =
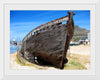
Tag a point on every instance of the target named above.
point(8, 7)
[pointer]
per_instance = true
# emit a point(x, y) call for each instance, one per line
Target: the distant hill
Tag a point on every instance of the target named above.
point(79, 33)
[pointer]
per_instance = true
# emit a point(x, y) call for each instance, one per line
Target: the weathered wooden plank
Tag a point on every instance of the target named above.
point(60, 20)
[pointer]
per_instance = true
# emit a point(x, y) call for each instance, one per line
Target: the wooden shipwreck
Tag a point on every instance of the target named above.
point(49, 42)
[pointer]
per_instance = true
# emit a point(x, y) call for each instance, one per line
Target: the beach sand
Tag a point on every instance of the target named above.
point(79, 49)
point(14, 65)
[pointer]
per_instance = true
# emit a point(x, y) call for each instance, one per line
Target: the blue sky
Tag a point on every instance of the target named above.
point(22, 22)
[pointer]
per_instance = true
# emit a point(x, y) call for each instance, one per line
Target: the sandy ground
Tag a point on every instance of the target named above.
point(81, 49)
point(14, 65)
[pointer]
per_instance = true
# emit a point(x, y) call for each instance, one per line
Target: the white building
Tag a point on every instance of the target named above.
point(88, 35)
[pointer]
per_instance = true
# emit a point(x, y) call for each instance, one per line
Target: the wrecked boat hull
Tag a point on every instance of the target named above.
point(49, 45)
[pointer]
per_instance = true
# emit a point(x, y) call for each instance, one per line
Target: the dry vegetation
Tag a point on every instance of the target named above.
point(76, 62)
